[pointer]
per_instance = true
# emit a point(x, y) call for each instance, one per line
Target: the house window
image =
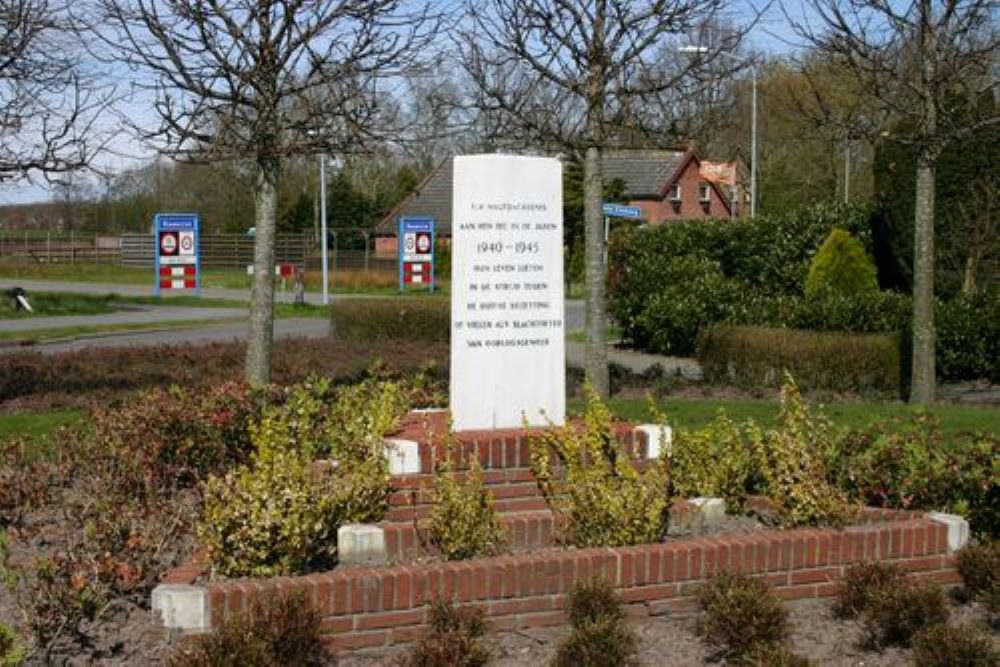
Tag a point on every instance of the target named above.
point(704, 193)
point(675, 192)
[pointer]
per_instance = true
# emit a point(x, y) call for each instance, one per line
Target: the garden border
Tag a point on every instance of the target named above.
point(368, 607)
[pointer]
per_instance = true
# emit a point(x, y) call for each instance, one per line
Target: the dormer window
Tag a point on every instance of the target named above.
point(704, 193)
point(675, 192)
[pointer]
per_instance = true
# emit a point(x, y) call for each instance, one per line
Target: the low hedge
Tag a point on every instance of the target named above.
point(366, 320)
point(836, 361)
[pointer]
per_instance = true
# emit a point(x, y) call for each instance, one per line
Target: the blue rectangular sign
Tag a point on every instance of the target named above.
point(620, 211)
point(416, 252)
point(177, 243)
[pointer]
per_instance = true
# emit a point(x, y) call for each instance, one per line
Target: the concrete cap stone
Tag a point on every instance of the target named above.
point(659, 436)
point(958, 529)
point(182, 607)
point(361, 544)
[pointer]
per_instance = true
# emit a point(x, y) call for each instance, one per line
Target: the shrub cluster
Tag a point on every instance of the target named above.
point(911, 464)
point(367, 320)
point(599, 497)
point(276, 630)
point(463, 522)
point(785, 463)
point(744, 617)
point(600, 634)
point(87, 377)
point(668, 283)
point(12, 654)
point(893, 608)
point(278, 514)
point(979, 565)
point(759, 356)
point(454, 639)
point(954, 646)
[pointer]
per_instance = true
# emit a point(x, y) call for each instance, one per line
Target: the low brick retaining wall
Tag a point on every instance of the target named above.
point(366, 607)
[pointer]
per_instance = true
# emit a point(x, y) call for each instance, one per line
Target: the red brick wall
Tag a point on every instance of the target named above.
point(664, 210)
point(365, 607)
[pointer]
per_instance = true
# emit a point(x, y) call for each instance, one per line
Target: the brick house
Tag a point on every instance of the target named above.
point(666, 185)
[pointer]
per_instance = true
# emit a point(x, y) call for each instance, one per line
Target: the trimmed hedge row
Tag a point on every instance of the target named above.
point(759, 356)
point(416, 319)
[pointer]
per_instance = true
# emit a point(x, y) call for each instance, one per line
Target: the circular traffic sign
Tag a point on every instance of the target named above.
point(423, 243)
point(187, 242)
point(168, 243)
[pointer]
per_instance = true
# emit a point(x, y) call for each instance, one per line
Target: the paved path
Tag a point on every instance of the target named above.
point(131, 314)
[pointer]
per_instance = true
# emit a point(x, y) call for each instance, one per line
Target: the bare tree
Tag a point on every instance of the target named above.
point(264, 80)
point(924, 62)
point(577, 76)
point(48, 103)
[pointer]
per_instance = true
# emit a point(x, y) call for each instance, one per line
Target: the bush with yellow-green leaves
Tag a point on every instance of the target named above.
point(279, 513)
point(598, 496)
point(464, 522)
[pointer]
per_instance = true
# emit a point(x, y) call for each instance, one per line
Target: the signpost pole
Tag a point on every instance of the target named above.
point(322, 215)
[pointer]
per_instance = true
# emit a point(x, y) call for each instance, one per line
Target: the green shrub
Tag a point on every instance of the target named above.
point(841, 266)
point(416, 319)
point(741, 614)
point(12, 654)
point(694, 294)
point(276, 630)
point(600, 634)
point(790, 462)
point(897, 613)
point(713, 461)
point(954, 646)
point(979, 565)
point(454, 639)
point(911, 464)
point(759, 356)
point(601, 499)
point(463, 521)
point(864, 582)
point(276, 516)
point(826, 310)
point(967, 334)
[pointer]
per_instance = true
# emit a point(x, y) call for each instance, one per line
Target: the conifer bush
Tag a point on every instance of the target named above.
point(741, 614)
point(600, 633)
point(454, 639)
point(954, 646)
point(841, 266)
point(863, 583)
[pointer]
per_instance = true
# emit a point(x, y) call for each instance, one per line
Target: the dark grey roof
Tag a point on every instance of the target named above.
point(432, 198)
point(645, 173)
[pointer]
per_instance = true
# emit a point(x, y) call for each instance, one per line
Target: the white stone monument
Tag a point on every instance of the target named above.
point(508, 350)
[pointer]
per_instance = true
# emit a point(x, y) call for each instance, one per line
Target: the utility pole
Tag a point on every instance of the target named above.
point(322, 216)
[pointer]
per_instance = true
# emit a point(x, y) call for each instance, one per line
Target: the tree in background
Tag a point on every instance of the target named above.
point(921, 62)
point(262, 81)
point(578, 77)
point(966, 247)
point(49, 102)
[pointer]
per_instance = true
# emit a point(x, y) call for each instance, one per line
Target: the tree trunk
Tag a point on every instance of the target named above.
point(971, 270)
point(596, 351)
point(261, 338)
point(922, 391)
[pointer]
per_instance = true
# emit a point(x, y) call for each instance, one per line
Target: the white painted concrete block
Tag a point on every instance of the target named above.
point(958, 529)
point(659, 437)
point(361, 544)
point(404, 456)
point(712, 510)
point(182, 607)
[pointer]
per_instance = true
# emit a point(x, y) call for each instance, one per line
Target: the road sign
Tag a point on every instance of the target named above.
point(416, 252)
point(178, 263)
point(620, 211)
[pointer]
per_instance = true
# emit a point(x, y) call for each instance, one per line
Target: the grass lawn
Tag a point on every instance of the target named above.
point(48, 304)
point(691, 413)
point(37, 428)
point(59, 333)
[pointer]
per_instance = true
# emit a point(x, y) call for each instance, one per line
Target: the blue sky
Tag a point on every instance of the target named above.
point(772, 35)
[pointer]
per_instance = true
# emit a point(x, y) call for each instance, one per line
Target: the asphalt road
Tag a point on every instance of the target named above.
point(222, 332)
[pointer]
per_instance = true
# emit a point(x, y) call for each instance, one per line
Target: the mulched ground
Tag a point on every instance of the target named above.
point(673, 641)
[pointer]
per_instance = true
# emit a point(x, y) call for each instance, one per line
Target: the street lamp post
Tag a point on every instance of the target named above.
point(753, 118)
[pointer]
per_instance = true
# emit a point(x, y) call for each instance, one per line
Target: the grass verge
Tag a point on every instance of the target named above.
point(35, 336)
